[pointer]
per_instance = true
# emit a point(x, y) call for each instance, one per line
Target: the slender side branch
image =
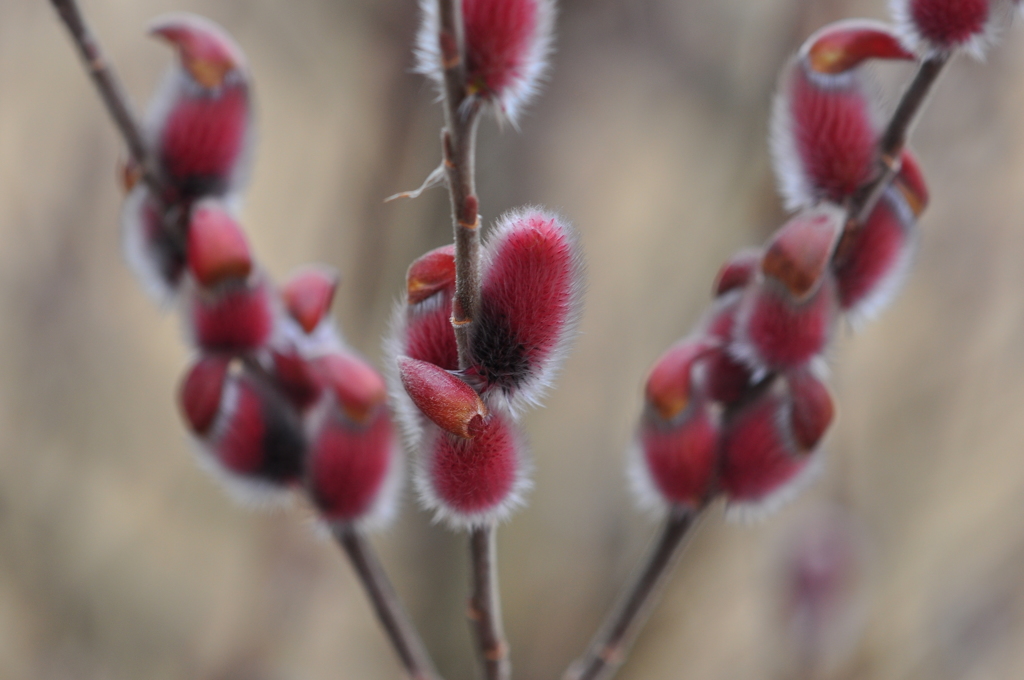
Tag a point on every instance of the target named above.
point(393, 617)
point(893, 140)
point(610, 646)
point(109, 87)
point(485, 605)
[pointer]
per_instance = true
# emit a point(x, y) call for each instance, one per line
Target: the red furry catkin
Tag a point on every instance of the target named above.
point(507, 43)
point(824, 123)
point(944, 26)
point(530, 301)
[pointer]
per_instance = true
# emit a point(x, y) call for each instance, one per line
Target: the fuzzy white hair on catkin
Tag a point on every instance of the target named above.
point(791, 178)
point(646, 494)
point(411, 420)
point(457, 520)
point(385, 505)
point(137, 251)
point(751, 512)
point(999, 14)
point(177, 85)
point(514, 98)
point(532, 391)
point(886, 290)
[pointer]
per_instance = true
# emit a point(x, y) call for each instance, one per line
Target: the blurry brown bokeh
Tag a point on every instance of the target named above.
point(120, 559)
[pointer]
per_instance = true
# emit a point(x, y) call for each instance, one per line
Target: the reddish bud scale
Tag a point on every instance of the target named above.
point(296, 378)
point(449, 402)
point(530, 299)
point(680, 458)
point(233, 318)
point(469, 482)
point(308, 294)
point(217, 248)
point(358, 388)
point(670, 387)
point(349, 465)
point(200, 121)
point(738, 271)
point(202, 390)
point(431, 274)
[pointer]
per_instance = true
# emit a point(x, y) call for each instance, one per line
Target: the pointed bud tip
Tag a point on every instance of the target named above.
point(737, 271)
point(798, 254)
point(430, 273)
point(206, 50)
point(844, 45)
point(201, 390)
point(670, 382)
point(356, 385)
point(449, 402)
point(308, 294)
point(217, 248)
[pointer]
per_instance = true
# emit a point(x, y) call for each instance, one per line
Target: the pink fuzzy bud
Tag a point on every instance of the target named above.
point(530, 301)
point(506, 49)
point(726, 380)
point(449, 402)
point(768, 441)
point(471, 482)
point(738, 271)
point(353, 469)
point(155, 256)
point(308, 294)
point(200, 120)
point(678, 436)
point(945, 26)
point(824, 123)
point(431, 274)
point(356, 385)
point(234, 317)
point(217, 248)
point(787, 317)
point(871, 264)
point(242, 424)
point(670, 386)
point(296, 377)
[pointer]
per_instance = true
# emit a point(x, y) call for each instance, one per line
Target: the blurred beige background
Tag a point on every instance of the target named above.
point(120, 559)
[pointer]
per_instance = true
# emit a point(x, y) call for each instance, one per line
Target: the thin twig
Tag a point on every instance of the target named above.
point(485, 605)
point(890, 147)
point(393, 617)
point(109, 87)
point(458, 141)
point(610, 646)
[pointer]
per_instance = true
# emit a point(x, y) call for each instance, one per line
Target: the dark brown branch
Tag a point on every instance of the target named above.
point(485, 605)
point(890, 147)
point(393, 617)
point(109, 87)
point(610, 646)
